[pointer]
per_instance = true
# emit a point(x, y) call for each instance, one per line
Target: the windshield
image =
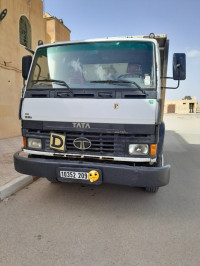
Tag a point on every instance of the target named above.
point(94, 65)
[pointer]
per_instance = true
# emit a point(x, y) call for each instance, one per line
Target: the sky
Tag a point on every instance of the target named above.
point(179, 19)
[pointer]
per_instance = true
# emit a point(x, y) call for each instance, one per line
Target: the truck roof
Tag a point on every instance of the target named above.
point(160, 38)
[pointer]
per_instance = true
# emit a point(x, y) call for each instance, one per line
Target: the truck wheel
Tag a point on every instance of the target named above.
point(151, 189)
point(52, 179)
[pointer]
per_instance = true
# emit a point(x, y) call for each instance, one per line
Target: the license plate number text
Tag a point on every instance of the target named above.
point(74, 175)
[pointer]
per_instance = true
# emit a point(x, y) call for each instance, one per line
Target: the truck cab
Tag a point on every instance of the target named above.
point(92, 111)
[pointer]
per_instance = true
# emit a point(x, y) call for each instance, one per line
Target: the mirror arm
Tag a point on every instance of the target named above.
point(29, 50)
point(170, 87)
point(166, 77)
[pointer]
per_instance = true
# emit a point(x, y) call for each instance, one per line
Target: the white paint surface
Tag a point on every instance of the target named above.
point(130, 111)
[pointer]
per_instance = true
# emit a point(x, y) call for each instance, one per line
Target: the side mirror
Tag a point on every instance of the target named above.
point(26, 63)
point(179, 67)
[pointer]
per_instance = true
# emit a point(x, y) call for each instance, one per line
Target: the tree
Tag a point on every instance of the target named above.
point(187, 98)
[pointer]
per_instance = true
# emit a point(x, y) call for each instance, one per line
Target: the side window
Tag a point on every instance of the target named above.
point(25, 32)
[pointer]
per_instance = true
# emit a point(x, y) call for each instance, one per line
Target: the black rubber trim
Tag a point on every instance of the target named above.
point(20, 108)
point(161, 139)
point(29, 124)
point(97, 93)
point(111, 173)
point(76, 126)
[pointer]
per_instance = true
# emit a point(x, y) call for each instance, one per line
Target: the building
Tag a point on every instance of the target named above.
point(180, 106)
point(22, 24)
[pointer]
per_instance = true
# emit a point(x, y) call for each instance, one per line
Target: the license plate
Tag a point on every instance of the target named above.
point(74, 175)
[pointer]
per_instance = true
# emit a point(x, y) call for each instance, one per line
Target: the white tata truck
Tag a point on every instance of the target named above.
point(92, 111)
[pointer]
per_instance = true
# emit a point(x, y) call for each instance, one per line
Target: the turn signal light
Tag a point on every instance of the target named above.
point(153, 149)
point(24, 142)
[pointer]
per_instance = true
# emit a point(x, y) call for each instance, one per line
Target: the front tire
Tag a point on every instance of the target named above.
point(53, 180)
point(151, 189)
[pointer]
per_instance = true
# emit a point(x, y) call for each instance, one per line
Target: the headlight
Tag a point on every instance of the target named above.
point(138, 149)
point(34, 143)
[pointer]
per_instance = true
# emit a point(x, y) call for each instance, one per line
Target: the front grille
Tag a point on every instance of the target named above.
point(102, 144)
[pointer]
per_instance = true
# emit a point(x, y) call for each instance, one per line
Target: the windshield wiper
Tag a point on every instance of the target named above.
point(120, 82)
point(134, 83)
point(59, 82)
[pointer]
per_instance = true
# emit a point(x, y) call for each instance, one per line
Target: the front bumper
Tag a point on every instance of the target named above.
point(111, 173)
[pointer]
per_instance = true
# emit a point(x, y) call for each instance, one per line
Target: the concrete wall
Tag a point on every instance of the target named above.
point(11, 53)
point(56, 31)
point(181, 106)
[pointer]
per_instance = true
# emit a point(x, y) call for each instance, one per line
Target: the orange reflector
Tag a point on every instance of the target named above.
point(153, 149)
point(24, 142)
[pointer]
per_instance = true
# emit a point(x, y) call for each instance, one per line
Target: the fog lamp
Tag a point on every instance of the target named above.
point(138, 149)
point(34, 143)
